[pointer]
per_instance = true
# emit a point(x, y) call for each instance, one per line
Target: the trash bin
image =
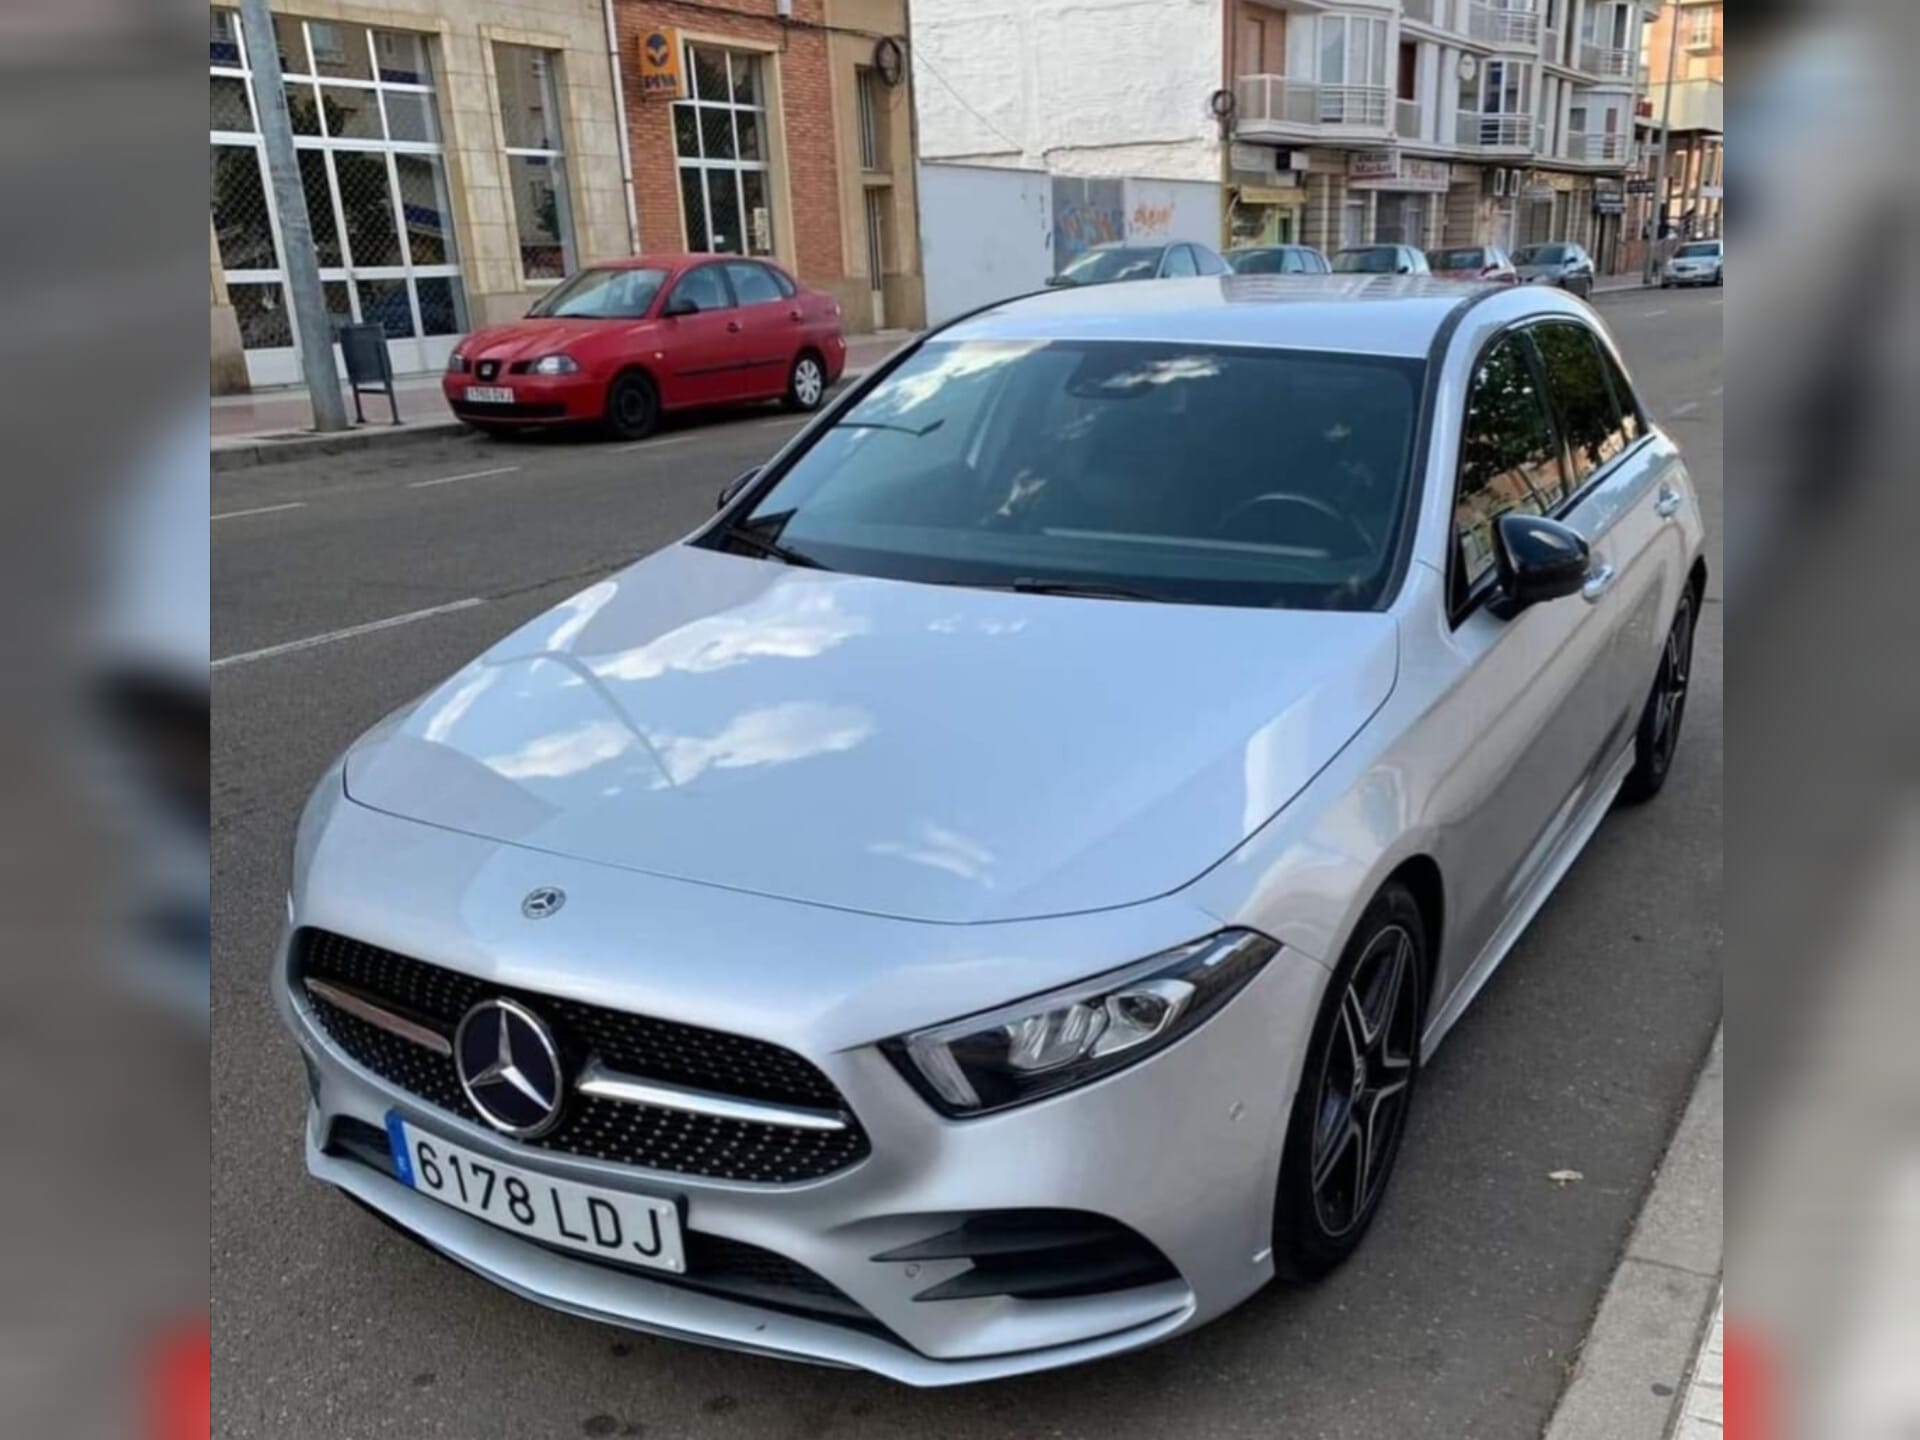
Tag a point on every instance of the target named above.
point(369, 366)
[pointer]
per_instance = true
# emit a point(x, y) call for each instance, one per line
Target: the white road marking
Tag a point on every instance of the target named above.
point(1651, 314)
point(1686, 409)
point(470, 475)
point(262, 510)
point(247, 657)
point(663, 441)
point(666, 440)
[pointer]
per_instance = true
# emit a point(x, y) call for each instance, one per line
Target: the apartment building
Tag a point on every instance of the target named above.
point(1689, 37)
point(1435, 122)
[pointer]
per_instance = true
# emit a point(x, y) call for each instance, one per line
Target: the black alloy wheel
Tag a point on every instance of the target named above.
point(633, 409)
point(1659, 732)
point(1356, 1089)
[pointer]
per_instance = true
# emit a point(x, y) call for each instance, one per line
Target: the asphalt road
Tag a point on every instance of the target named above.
point(1457, 1318)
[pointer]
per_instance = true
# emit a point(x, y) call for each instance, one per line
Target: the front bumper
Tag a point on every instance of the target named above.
point(537, 399)
point(1182, 1149)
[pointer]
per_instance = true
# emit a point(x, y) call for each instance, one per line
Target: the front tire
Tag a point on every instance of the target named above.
point(633, 408)
point(1356, 1087)
point(806, 383)
point(1659, 732)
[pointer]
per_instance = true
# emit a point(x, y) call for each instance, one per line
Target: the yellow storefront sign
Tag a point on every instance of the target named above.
point(661, 77)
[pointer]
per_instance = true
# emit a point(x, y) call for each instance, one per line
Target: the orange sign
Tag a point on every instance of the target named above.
point(661, 77)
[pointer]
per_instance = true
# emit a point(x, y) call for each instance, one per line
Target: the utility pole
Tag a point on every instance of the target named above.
point(302, 265)
point(1672, 11)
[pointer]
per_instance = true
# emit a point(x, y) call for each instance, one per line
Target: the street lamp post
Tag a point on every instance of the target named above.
point(1672, 11)
point(296, 231)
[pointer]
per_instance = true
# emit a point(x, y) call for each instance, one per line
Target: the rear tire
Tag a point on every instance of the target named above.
point(1356, 1088)
point(1659, 731)
point(806, 383)
point(633, 407)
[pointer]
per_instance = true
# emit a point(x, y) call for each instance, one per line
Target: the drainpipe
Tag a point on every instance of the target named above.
point(620, 109)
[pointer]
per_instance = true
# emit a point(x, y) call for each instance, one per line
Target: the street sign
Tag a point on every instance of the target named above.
point(661, 76)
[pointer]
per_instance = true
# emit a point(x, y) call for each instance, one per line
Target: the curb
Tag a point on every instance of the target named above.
point(1633, 1369)
point(247, 454)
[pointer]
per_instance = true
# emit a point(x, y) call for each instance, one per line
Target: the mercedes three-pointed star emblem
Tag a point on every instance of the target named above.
point(509, 1067)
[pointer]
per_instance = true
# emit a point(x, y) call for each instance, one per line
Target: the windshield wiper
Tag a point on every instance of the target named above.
point(1088, 589)
point(926, 429)
point(774, 550)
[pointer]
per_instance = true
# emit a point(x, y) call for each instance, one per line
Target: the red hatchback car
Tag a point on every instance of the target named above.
point(622, 341)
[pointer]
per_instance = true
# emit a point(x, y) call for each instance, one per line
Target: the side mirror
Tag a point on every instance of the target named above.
point(1537, 559)
point(734, 486)
point(1055, 282)
point(680, 305)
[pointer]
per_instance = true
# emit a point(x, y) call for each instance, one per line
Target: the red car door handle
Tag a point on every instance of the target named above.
point(734, 326)
point(794, 315)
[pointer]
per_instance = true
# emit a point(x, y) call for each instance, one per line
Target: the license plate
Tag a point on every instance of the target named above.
point(608, 1224)
point(489, 395)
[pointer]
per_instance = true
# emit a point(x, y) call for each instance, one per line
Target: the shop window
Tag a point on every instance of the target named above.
point(536, 160)
point(720, 136)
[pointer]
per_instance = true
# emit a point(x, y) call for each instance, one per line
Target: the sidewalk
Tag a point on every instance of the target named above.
point(277, 424)
point(1651, 1361)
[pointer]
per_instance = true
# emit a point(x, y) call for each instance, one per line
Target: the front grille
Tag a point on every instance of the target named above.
point(715, 1264)
point(1038, 1255)
point(545, 410)
point(685, 1055)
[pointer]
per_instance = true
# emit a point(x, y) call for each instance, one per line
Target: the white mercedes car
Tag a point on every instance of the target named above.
point(981, 903)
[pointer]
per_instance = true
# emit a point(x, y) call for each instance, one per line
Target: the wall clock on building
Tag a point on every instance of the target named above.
point(1469, 67)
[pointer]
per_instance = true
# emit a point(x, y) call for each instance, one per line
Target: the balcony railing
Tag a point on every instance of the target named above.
point(1503, 24)
point(1421, 10)
point(1283, 100)
point(1406, 119)
point(1499, 132)
point(1603, 60)
point(1599, 149)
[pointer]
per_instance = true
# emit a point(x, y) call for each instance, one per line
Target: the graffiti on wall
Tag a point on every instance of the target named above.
point(1085, 213)
point(1150, 221)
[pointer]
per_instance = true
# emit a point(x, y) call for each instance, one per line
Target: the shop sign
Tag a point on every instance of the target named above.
point(661, 77)
point(1393, 171)
point(1373, 165)
point(1537, 193)
point(1639, 185)
point(1271, 195)
point(1609, 198)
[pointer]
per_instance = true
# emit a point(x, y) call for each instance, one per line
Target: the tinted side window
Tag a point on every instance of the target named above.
point(705, 288)
point(1581, 396)
point(1179, 262)
point(787, 288)
point(1633, 424)
point(1207, 262)
point(1507, 457)
point(752, 284)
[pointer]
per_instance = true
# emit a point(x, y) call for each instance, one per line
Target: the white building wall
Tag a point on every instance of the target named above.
point(1115, 89)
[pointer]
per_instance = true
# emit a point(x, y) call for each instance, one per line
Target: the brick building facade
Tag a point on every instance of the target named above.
point(788, 140)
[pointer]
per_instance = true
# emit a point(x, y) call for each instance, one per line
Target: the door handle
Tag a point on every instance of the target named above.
point(794, 315)
point(734, 326)
point(1599, 580)
point(1666, 503)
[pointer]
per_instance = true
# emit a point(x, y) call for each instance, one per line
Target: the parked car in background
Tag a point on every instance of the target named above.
point(1380, 260)
point(1698, 262)
point(1559, 263)
point(1278, 260)
point(1104, 264)
point(1474, 262)
point(983, 901)
point(621, 342)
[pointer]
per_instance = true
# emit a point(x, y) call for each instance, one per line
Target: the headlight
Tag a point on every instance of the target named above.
point(457, 364)
point(555, 365)
point(1054, 1042)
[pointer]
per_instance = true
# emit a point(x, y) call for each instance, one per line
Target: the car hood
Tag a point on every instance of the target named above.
point(532, 338)
point(925, 752)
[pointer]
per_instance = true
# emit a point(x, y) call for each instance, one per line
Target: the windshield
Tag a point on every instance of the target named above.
point(1123, 262)
point(1541, 255)
point(611, 294)
point(1257, 262)
point(1700, 250)
point(1457, 259)
point(1176, 472)
point(1378, 260)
